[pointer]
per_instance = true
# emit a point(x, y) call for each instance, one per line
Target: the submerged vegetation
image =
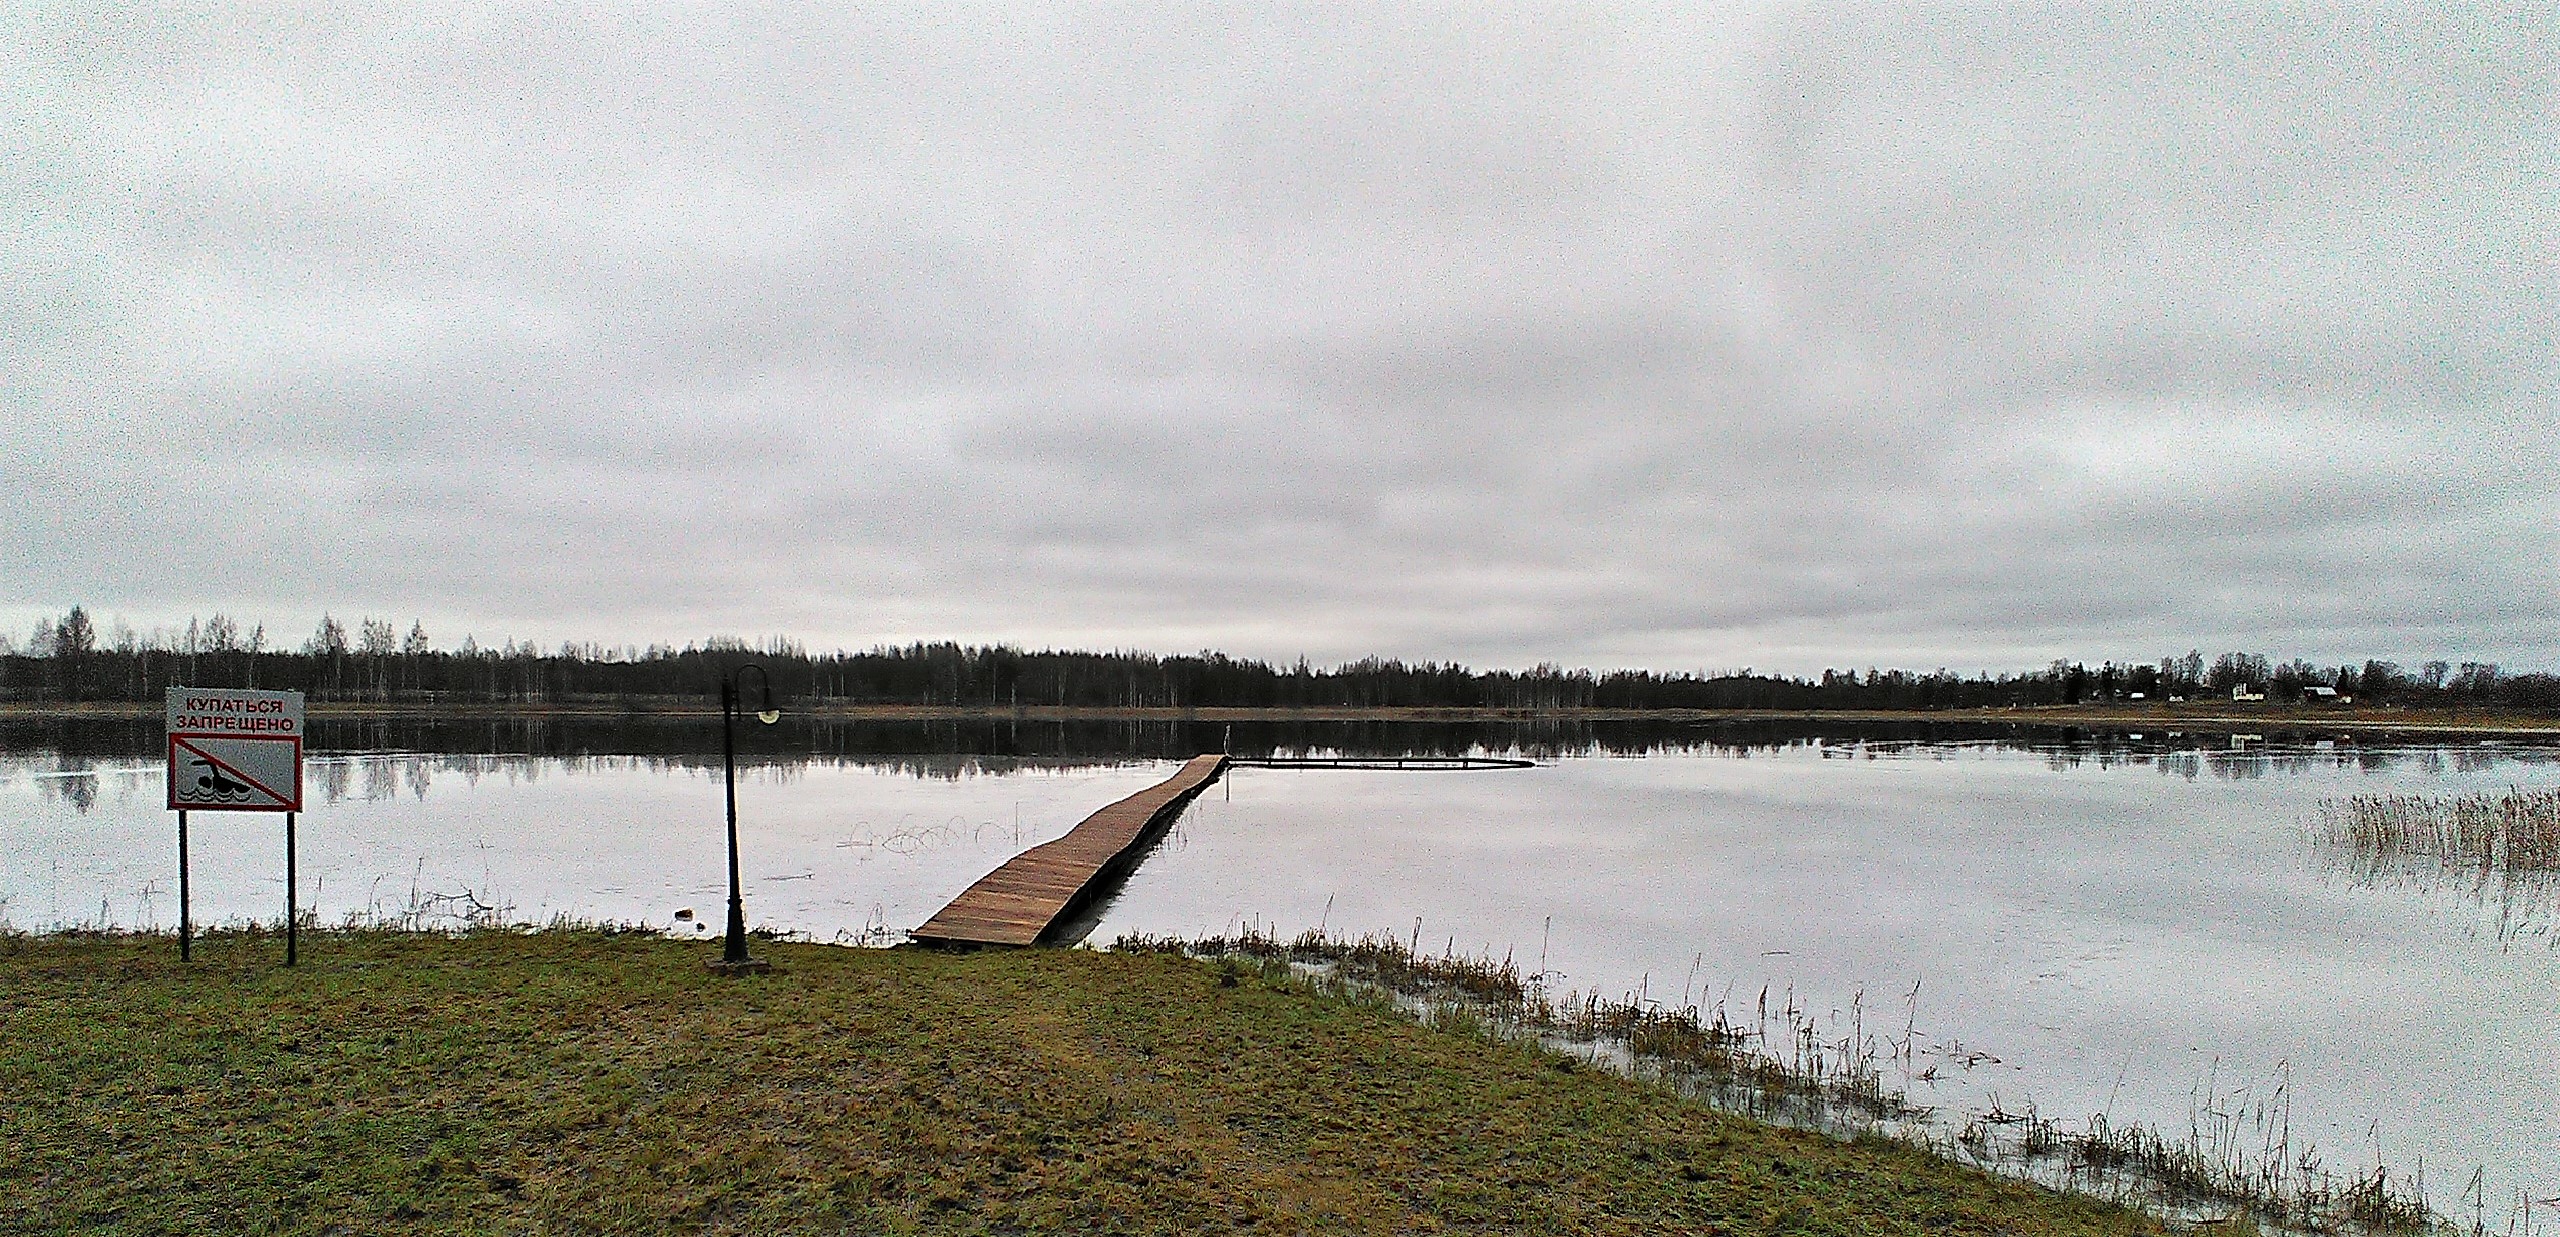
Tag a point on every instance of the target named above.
point(2237, 1161)
point(2513, 832)
point(2500, 850)
point(1779, 1065)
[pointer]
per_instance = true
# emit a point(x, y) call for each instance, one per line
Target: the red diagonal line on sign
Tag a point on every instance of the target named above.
point(218, 763)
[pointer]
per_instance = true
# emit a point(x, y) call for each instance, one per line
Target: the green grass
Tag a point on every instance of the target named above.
point(579, 1081)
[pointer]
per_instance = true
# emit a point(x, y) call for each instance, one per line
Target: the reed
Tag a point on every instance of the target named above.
point(2237, 1160)
point(2516, 831)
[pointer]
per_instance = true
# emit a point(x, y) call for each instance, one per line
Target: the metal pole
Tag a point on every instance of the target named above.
point(186, 948)
point(289, 898)
point(734, 952)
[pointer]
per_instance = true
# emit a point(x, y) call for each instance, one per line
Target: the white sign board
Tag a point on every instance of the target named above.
point(236, 751)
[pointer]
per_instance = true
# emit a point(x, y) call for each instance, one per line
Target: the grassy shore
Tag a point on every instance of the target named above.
point(579, 1081)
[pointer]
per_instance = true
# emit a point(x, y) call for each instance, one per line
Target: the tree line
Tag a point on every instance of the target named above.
point(68, 659)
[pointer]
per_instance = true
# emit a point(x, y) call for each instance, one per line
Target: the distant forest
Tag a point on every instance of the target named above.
point(68, 660)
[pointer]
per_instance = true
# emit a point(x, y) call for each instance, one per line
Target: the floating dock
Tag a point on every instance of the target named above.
point(1018, 903)
point(1409, 763)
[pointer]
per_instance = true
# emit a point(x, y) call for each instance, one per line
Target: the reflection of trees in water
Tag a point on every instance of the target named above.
point(2225, 757)
point(387, 755)
point(78, 783)
point(374, 777)
point(2500, 850)
point(75, 782)
point(332, 776)
point(381, 780)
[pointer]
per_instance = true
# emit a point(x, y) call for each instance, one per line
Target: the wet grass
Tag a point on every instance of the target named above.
point(582, 1081)
point(2236, 1160)
point(2237, 1164)
point(1778, 1065)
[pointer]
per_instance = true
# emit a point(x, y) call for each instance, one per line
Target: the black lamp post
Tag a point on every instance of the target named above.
point(733, 954)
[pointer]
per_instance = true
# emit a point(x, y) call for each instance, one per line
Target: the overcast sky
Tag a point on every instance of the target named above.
point(1782, 339)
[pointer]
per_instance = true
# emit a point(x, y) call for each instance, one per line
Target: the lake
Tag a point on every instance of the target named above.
point(2143, 926)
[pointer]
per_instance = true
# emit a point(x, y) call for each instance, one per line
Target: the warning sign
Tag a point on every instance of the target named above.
point(223, 710)
point(237, 751)
point(243, 775)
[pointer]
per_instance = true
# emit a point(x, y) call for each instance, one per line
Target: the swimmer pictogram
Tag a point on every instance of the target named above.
point(213, 783)
point(239, 774)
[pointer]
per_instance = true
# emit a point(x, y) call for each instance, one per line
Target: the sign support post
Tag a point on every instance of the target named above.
point(289, 898)
point(185, 930)
point(236, 751)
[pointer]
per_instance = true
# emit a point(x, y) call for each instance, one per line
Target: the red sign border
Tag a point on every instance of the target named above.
point(172, 771)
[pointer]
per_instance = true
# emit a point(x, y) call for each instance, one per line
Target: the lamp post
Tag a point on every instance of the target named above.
point(733, 953)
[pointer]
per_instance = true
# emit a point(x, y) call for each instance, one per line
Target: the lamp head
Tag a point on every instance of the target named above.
point(764, 690)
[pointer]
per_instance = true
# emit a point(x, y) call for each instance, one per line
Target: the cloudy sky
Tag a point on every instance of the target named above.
point(1786, 338)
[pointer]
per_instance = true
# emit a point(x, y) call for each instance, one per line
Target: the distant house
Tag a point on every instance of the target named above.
point(2244, 691)
point(2325, 695)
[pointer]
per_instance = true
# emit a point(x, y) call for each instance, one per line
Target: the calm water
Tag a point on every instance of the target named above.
point(2138, 927)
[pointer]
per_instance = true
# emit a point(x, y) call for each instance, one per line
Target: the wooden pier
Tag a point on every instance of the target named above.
point(1018, 903)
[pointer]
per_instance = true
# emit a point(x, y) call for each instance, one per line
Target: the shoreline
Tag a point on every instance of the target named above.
point(2191, 716)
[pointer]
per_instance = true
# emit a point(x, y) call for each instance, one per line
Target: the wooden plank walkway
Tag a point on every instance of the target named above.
point(1016, 903)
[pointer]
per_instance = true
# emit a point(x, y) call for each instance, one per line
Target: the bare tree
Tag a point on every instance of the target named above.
point(328, 646)
point(375, 637)
point(329, 639)
point(376, 641)
point(74, 636)
point(74, 639)
point(2236, 669)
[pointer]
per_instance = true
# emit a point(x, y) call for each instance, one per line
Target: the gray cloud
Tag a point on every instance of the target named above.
point(1949, 336)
